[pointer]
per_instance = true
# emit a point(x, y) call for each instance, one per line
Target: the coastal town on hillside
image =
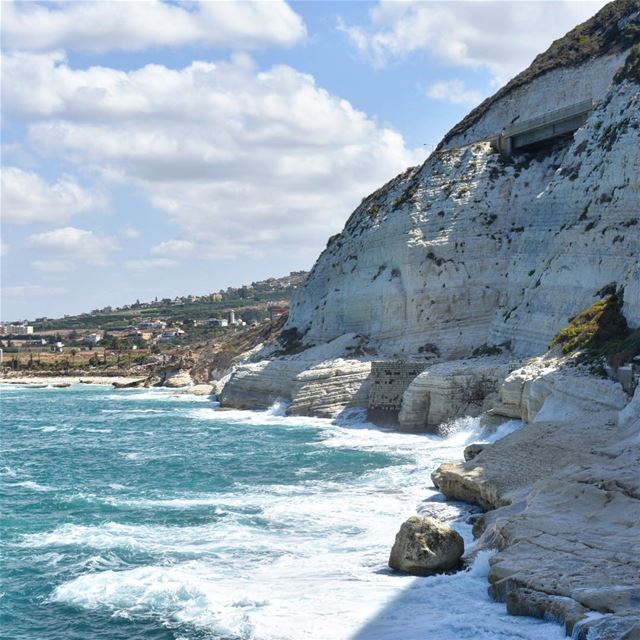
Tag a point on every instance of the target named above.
point(127, 334)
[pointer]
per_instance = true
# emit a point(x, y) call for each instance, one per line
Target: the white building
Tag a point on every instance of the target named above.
point(152, 325)
point(218, 322)
point(93, 338)
point(16, 329)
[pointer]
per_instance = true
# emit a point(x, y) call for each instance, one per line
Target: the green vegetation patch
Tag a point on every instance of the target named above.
point(631, 69)
point(601, 331)
point(291, 343)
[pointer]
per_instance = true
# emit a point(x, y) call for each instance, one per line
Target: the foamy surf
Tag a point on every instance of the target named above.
point(239, 524)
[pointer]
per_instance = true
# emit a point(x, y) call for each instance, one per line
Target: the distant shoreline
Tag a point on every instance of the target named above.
point(32, 378)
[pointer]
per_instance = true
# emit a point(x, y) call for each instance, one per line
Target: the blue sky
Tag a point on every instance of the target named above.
point(161, 149)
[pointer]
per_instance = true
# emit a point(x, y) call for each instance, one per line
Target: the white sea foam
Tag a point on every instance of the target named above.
point(272, 417)
point(297, 562)
point(8, 472)
point(156, 395)
point(324, 598)
point(32, 486)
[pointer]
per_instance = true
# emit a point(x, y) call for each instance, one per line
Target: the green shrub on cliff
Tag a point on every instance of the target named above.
point(601, 331)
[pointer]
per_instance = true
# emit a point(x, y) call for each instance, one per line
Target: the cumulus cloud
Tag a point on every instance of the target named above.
point(26, 198)
point(246, 162)
point(103, 26)
point(502, 37)
point(173, 248)
point(454, 91)
point(144, 264)
point(130, 233)
point(75, 245)
point(24, 290)
point(53, 266)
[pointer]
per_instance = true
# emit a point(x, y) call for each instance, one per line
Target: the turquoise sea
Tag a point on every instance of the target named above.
point(148, 514)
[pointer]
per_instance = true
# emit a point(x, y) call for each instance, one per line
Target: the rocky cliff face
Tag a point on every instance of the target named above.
point(474, 247)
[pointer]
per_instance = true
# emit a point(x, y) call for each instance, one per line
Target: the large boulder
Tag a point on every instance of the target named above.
point(176, 379)
point(424, 547)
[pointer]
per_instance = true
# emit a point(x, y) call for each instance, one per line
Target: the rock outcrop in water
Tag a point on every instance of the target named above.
point(424, 547)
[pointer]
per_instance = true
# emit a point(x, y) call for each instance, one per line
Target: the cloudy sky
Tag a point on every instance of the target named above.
point(166, 148)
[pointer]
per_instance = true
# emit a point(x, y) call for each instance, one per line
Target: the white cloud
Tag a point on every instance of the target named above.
point(502, 37)
point(4, 248)
point(76, 245)
point(53, 266)
point(23, 290)
point(152, 263)
point(173, 248)
point(130, 233)
point(245, 162)
point(454, 91)
point(103, 26)
point(26, 198)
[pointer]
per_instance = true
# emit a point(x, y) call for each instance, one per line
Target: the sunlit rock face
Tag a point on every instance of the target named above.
point(474, 247)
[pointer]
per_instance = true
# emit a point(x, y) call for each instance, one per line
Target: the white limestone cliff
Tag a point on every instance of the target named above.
point(472, 248)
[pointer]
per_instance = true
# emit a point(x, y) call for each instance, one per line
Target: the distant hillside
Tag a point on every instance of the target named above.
point(250, 301)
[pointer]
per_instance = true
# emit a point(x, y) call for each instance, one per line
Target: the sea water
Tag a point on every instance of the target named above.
point(148, 514)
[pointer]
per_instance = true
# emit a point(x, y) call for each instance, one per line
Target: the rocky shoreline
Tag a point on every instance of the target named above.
point(562, 503)
point(561, 495)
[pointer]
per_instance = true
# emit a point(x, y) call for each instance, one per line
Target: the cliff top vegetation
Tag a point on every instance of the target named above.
point(613, 29)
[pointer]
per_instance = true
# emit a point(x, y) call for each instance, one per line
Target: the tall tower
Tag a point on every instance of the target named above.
point(232, 317)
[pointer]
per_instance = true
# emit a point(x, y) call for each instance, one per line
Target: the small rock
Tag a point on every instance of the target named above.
point(471, 451)
point(424, 547)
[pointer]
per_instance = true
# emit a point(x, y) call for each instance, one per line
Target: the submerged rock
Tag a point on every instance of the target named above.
point(425, 546)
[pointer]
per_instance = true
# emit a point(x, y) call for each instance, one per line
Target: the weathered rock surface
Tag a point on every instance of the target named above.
point(317, 382)
point(576, 537)
point(180, 378)
point(567, 510)
point(448, 390)
point(629, 417)
point(471, 451)
point(329, 388)
point(497, 475)
point(424, 547)
point(202, 390)
point(257, 385)
point(546, 389)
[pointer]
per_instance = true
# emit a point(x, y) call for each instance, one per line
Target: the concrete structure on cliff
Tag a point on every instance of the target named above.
point(544, 130)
